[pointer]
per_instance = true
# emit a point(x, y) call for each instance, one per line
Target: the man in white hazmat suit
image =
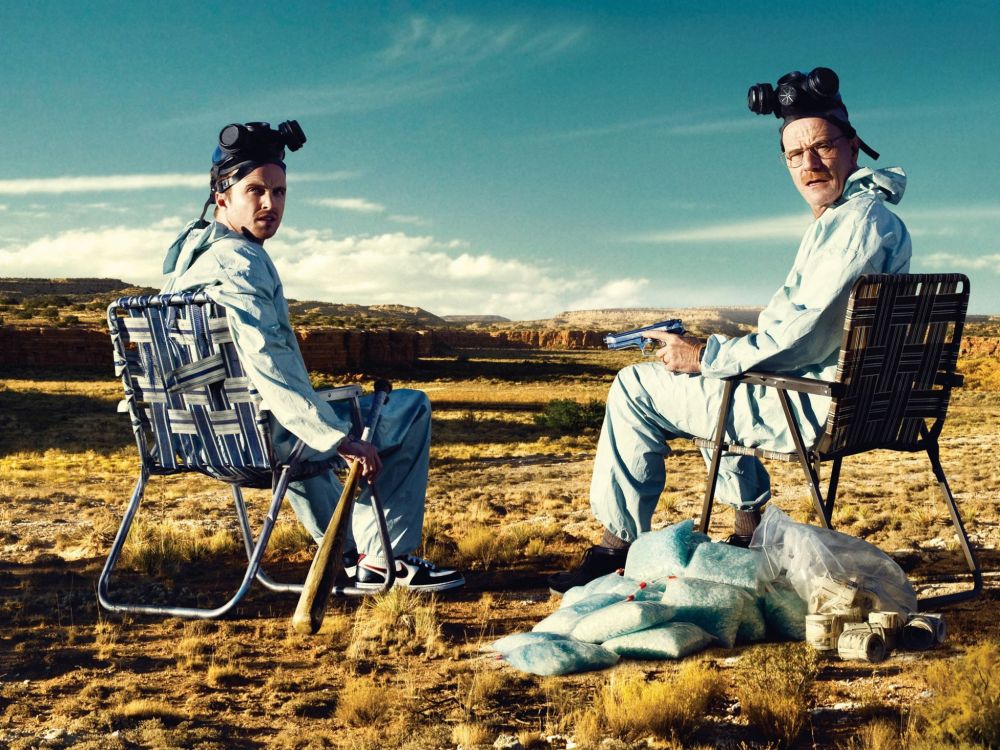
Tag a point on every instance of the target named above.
point(226, 258)
point(798, 333)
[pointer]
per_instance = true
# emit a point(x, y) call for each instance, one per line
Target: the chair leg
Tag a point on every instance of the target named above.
point(713, 469)
point(831, 487)
point(812, 476)
point(248, 544)
point(963, 539)
point(119, 542)
point(197, 612)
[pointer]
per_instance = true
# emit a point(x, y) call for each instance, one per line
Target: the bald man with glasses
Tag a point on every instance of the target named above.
point(678, 394)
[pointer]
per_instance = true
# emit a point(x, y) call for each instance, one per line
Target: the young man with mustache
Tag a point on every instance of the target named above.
point(226, 259)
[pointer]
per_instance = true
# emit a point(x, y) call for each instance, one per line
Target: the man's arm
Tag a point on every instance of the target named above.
point(269, 353)
point(802, 326)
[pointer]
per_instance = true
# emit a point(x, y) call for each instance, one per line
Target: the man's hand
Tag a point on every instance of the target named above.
point(678, 353)
point(359, 450)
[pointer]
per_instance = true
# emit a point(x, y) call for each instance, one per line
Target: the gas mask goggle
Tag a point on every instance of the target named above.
point(243, 148)
point(798, 95)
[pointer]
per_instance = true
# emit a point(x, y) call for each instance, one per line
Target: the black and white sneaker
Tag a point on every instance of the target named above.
point(412, 572)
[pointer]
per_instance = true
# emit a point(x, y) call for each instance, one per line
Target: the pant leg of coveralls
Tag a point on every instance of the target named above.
point(403, 438)
point(647, 406)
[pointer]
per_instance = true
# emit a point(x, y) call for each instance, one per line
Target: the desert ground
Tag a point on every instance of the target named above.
point(508, 504)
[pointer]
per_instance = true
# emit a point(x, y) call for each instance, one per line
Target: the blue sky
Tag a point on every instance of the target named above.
point(516, 159)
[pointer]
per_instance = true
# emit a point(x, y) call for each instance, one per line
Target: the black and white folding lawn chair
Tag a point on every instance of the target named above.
point(893, 385)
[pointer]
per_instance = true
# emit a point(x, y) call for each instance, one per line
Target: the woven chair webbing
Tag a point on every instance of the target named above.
point(901, 338)
point(186, 387)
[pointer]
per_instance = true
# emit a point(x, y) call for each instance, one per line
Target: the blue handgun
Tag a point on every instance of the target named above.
point(636, 338)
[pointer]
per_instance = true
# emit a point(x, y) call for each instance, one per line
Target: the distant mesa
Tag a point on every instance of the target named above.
point(465, 320)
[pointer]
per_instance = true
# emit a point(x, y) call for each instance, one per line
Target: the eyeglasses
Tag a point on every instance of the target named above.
point(823, 149)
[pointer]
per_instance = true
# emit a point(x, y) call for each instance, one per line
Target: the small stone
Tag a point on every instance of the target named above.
point(508, 742)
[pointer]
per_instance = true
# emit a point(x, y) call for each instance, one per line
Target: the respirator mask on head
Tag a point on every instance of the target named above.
point(250, 145)
point(243, 148)
point(797, 95)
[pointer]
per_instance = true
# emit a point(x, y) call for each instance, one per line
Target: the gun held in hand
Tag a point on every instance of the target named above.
point(636, 337)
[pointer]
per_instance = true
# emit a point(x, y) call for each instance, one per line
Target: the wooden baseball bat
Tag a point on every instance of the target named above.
point(329, 559)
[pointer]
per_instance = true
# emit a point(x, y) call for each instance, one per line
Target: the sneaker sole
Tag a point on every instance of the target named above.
point(430, 588)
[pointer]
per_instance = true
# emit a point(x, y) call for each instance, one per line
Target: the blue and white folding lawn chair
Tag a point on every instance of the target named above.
point(193, 409)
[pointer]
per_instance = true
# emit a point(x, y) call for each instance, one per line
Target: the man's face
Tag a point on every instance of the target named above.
point(255, 204)
point(820, 180)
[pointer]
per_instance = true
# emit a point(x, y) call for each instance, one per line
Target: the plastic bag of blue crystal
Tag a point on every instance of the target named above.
point(510, 642)
point(717, 608)
point(620, 618)
point(671, 640)
point(613, 583)
point(724, 563)
point(656, 555)
point(753, 627)
point(785, 612)
point(564, 619)
point(562, 656)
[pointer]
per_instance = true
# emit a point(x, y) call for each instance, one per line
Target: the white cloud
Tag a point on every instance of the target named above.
point(956, 262)
point(133, 182)
point(460, 42)
point(132, 255)
point(772, 228)
point(443, 277)
point(359, 205)
point(416, 221)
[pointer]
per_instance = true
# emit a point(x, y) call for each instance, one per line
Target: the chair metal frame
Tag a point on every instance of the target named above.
point(895, 374)
point(193, 409)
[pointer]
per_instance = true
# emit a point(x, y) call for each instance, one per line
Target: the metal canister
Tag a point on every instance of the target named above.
point(862, 642)
point(890, 622)
point(921, 632)
point(822, 631)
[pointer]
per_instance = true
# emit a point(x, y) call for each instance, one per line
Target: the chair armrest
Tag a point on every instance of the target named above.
point(791, 383)
point(340, 393)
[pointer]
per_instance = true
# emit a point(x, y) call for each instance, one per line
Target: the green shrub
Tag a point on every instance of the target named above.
point(566, 415)
point(965, 707)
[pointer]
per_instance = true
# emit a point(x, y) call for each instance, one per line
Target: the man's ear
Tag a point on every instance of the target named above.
point(220, 198)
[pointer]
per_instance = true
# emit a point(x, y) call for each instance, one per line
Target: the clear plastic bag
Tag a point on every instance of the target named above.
point(619, 619)
point(560, 656)
point(808, 555)
point(656, 555)
point(671, 640)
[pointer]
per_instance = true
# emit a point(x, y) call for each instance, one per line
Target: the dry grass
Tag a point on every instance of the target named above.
point(147, 708)
point(68, 465)
point(631, 706)
point(773, 686)
point(362, 701)
point(398, 622)
point(470, 735)
point(164, 548)
point(965, 702)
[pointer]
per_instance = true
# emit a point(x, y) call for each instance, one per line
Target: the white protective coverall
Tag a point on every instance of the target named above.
point(238, 274)
point(798, 333)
